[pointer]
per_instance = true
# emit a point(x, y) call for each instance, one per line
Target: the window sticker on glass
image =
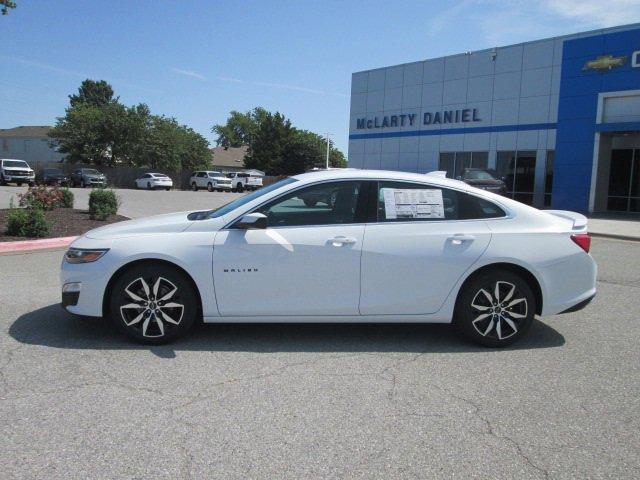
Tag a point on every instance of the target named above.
point(412, 203)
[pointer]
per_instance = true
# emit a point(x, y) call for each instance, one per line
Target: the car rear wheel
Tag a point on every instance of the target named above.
point(495, 308)
point(153, 304)
point(239, 187)
point(148, 185)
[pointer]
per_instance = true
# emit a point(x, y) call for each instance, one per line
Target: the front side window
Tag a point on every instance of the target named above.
point(202, 174)
point(402, 202)
point(323, 204)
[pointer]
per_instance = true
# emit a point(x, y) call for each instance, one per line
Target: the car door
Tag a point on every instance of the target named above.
point(201, 179)
point(305, 262)
point(424, 239)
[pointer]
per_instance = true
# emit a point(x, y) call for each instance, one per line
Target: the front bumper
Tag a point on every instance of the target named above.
point(19, 178)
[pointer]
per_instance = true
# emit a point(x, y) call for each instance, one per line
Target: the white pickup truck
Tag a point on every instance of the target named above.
point(241, 181)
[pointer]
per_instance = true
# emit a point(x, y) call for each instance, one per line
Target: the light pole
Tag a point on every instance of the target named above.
point(327, 166)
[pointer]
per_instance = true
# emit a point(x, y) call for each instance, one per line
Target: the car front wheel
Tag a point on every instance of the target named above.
point(194, 187)
point(153, 303)
point(209, 187)
point(495, 308)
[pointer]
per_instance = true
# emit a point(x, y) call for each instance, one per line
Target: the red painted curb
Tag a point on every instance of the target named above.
point(28, 245)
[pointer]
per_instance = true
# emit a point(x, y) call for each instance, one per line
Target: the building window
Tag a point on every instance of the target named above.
point(454, 163)
point(518, 171)
point(548, 177)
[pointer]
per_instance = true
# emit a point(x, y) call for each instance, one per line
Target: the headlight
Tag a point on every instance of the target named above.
point(80, 255)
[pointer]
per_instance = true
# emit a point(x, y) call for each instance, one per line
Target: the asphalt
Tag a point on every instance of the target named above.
point(318, 401)
point(140, 203)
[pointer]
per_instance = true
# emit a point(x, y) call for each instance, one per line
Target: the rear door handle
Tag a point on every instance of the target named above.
point(342, 240)
point(459, 238)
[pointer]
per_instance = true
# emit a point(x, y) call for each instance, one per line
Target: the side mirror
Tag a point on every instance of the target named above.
point(253, 221)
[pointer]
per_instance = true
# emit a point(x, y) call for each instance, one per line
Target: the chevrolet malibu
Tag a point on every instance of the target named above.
point(392, 247)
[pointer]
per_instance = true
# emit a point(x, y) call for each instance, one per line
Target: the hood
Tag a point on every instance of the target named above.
point(168, 223)
point(486, 182)
point(17, 169)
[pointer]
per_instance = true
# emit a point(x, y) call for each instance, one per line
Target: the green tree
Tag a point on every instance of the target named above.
point(91, 92)
point(274, 145)
point(6, 5)
point(240, 128)
point(98, 129)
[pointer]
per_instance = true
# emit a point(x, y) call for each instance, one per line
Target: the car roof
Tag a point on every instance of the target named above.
point(433, 178)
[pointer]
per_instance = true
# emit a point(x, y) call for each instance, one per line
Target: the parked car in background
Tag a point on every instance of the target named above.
point(52, 176)
point(151, 181)
point(394, 247)
point(481, 178)
point(16, 171)
point(88, 177)
point(210, 180)
point(241, 181)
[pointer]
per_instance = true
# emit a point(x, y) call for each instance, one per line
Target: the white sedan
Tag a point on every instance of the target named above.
point(151, 181)
point(390, 247)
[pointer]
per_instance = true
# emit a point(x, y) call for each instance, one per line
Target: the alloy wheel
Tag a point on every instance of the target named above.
point(498, 309)
point(152, 311)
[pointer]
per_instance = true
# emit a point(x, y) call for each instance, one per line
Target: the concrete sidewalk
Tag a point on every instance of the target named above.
point(615, 226)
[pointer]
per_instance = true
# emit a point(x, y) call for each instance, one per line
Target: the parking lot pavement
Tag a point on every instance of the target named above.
point(141, 203)
point(318, 401)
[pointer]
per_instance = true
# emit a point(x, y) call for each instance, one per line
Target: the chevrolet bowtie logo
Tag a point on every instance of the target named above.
point(606, 62)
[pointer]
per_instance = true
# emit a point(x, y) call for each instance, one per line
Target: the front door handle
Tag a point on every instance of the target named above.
point(342, 240)
point(460, 238)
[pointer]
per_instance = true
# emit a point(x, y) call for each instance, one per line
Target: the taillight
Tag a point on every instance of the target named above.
point(583, 240)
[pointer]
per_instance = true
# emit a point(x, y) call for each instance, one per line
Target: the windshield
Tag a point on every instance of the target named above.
point(477, 175)
point(247, 198)
point(15, 164)
point(91, 172)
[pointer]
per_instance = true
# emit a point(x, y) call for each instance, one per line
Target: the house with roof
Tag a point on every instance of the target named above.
point(29, 143)
point(229, 159)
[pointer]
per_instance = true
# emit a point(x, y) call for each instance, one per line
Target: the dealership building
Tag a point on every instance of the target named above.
point(558, 119)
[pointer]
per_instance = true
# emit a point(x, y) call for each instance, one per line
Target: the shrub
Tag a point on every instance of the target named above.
point(27, 223)
point(102, 203)
point(41, 198)
point(66, 200)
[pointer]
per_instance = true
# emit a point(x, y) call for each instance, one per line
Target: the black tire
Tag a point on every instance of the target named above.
point(491, 321)
point(209, 187)
point(3, 182)
point(141, 323)
point(194, 187)
point(19, 184)
point(82, 184)
point(240, 187)
point(148, 185)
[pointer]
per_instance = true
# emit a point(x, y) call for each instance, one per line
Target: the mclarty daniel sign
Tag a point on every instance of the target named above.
point(463, 115)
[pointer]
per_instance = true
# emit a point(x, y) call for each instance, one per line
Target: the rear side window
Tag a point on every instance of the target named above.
point(406, 202)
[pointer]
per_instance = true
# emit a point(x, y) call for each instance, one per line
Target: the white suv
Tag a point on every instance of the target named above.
point(209, 180)
point(241, 181)
point(16, 171)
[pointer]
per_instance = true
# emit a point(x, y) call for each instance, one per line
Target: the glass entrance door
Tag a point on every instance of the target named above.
point(517, 169)
point(624, 180)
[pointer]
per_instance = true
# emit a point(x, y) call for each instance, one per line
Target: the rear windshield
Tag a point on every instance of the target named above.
point(15, 163)
point(477, 175)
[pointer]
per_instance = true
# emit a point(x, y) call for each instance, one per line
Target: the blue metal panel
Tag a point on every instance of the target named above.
point(455, 131)
point(579, 89)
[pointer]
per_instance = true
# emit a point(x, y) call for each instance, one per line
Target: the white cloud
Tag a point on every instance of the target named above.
point(188, 73)
point(598, 13)
point(282, 86)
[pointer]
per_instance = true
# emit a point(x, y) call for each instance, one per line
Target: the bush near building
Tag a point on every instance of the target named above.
point(102, 203)
point(27, 222)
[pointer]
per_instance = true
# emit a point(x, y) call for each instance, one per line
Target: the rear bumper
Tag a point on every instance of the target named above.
point(580, 305)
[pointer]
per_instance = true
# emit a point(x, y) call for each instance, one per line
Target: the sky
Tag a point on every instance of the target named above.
point(198, 60)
